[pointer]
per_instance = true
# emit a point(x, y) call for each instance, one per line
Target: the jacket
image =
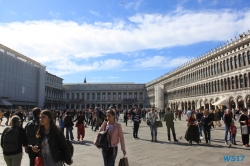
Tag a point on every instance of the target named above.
point(150, 118)
point(169, 118)
point(116, 134)
point(56, 143)
point(22, 141)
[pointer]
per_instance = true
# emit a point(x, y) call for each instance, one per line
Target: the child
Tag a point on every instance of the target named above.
point(61, 124)
point(233, 131)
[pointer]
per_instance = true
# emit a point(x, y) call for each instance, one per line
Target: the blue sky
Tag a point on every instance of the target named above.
point(118, 40)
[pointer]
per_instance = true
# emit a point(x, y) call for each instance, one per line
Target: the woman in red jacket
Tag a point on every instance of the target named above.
point(115, 134)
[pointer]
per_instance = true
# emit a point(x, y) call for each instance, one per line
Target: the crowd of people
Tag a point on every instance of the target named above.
point(42, 136)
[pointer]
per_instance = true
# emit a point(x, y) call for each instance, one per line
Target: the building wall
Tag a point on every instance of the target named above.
point(122, 95)
point(223, 72)
point(21, 79)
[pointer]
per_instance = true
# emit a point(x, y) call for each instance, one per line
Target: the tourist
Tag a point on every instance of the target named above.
point(136, 118)
point(192, 133)
point(243, 119)
point(199, 116)
point(227, 118)
point(31, 129)
point(68, 123)
point(125, 117)
point(211, 115)
point(152, 116)
point(12, 140)
point(80, 126)
point(61, 124)
point(169, 118)
point(206, 122)
point(233, 131)
point(51, 142)
point(188, 112)
point(7, 115)
point(20, 115)
point(115, 134)
point(217, 118)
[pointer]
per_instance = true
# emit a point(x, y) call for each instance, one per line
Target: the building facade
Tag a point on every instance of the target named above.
point(22, 80)
point(104, 95)
point(222, 75)
point(54, 92)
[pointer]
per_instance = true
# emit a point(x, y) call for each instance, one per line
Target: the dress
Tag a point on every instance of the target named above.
point(192, 133)
point(47, 158)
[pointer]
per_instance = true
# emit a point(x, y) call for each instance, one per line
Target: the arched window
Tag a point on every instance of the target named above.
point(236, 62)
point(248, 57)
point(224, 65)
point(232, 80)
point(88, 96)
point(215, 86)
point(72, 96)
point(228, 65)
point(245, 80)
point(77, 96)
point(229, 84)
point(204, 73)
point(215, 69)
point(244, 59)
point(240, 61)
point(93, 96)
point(236, 82)
point(212, 69)
point(218, 85)
point(82, 95)
point(67, 96)
point(98, 96)
point(241, 81)
point(225, 84)
point(232, 63)
point(208, 70)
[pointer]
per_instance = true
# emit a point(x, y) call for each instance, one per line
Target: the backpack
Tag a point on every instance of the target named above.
point(102, 139)
point(30, 133)
point(101, 115)
point(71, 151)
point(10, 139)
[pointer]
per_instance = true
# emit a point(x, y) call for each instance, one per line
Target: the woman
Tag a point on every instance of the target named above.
point(115, 134)
point(217, 118)
point(50, 141)
point(152, 116)
point(243, 119)
point(211, 115)
point(192, 133)
point(80, 126)
point(16, 135)
point(206, 123)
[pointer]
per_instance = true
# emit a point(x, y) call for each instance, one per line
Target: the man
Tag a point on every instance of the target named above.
point(30, 134)
point(20, 115)
point(199, 116)
point(188, 112)
point(98, 118)
point(136, 118)
point(68, 124)
point(152, 116)
point(169, 118)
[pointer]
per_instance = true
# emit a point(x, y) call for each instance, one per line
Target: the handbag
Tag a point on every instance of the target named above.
point(244, 130)
point(39, 161)
point(158, 124)
point(123, 161)
point(102, 139)
point(148, 122)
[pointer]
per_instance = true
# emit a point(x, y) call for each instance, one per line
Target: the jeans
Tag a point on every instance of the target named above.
point(13, 160)
point(200, 129)
point(233, 138)
point(206, 131)
point(227, 130)
point(109, 156)
point(153, 131)
point(136, 128)
point(69, 131)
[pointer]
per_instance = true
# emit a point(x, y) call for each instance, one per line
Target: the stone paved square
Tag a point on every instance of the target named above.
point(143, 152)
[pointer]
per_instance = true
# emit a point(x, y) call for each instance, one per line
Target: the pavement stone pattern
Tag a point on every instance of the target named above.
point(143, 152)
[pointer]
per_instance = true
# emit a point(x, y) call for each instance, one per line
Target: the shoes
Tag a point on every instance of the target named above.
point(156, 140)
point(152, 140)
point(134, 138)
point(226, 142)
point(78, 140)
point(137, 137)
point(235, 144)
point(176, 140)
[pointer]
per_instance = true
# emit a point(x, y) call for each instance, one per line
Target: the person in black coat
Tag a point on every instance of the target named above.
point(169, 118)
point(243, 119)
point(125, 117)
point(51, 142)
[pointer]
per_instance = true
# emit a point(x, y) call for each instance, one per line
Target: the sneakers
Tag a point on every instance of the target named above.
point(152, 140)
point(176, 140)
point(156, 140)
point(201, 137)
point(226, 142)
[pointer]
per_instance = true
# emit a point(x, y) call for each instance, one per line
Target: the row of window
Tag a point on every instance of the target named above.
point(230, 83)
point(98, 96)
point(228, 64)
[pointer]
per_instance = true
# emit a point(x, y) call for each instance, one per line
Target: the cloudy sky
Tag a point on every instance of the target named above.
point(118, 40)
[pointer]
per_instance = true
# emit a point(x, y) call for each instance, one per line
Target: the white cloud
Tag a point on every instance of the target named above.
point(134, 5)
point(54, 14)
point(161, 62)
point(61, 44)
point(113, 77)
point(94, 13)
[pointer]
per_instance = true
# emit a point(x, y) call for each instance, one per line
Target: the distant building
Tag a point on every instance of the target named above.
point(104, 95)
point(54, 92)
point(22, 80)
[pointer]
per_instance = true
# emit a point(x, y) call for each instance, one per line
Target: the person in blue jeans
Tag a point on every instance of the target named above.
point(227, 118)
point(152, 116)
point(199, 116)
point(68, 124)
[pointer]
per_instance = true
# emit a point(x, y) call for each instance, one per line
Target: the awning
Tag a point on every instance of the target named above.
point(4, 102)
point(223, 101)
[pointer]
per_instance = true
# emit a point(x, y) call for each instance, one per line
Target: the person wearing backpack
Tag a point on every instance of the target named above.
point(51, 142)
point(12, 140)
point(99, 115)
point(30, 133)
point(80, 125)
point(68, 124)
point(114, 136)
